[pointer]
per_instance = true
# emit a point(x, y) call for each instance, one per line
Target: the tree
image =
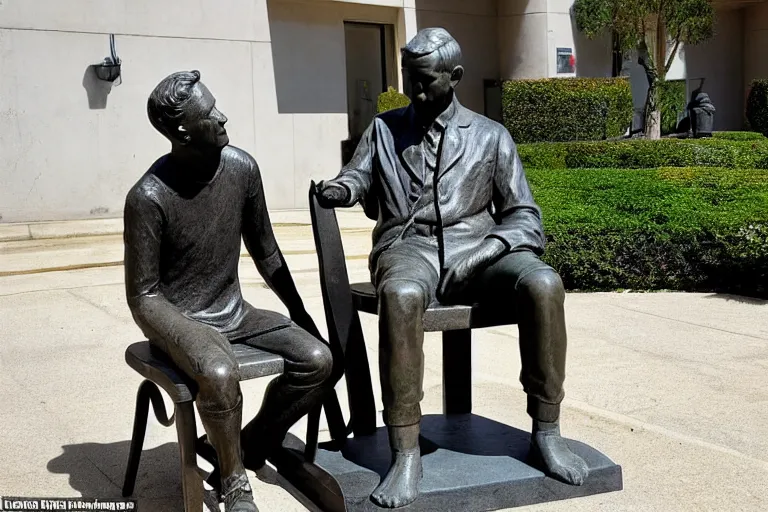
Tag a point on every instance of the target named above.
point(642, 25)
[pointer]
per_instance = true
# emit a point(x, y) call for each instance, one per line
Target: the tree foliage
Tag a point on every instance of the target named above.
point(391, 99)
point(637, 25)
point(685, 21)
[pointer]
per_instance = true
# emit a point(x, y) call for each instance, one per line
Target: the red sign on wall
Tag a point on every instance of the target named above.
point(566, 61)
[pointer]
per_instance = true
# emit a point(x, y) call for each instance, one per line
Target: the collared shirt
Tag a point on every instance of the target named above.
point(424, 208)
point(430, 146)
point(481, 187)
point(431, 143)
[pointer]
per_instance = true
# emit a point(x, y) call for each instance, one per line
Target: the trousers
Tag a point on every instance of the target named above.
point(213, 367)
point(406, 276)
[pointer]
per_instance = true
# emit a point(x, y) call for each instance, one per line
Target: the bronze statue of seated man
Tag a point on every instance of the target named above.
point(184, 220)
point(456, 223)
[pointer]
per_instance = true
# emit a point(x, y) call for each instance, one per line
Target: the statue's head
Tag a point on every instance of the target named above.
point(184, 110)
point(431, 67)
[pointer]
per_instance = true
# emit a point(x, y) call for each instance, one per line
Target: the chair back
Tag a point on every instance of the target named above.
point(344, 330)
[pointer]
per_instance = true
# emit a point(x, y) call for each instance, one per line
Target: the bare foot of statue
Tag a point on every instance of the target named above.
point(550, 451)
point(401, 485)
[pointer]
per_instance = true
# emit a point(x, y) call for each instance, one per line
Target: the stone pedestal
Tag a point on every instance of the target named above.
point(471, 464)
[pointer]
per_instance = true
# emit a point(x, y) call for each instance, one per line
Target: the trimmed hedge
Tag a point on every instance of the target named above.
point(739, 136)
point(566, 109)
point(391, 100)
point(643, 153)
point(757, 106)
point(687, 229)
point(671, 102)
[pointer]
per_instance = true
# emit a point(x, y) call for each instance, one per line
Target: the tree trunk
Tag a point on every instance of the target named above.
point(652, 113)
point(652, 128)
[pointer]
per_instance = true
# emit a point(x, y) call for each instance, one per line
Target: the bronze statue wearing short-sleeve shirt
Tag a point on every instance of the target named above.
point(184, 221)
point(456, 223)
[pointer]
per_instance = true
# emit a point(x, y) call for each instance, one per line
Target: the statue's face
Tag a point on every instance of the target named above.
point(425, 86)
point(203, 124)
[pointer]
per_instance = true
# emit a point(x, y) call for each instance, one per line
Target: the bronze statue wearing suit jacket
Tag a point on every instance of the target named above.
point(456, 223)
point(481, 187)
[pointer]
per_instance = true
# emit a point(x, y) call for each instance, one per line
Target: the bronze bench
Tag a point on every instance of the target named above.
point(343, 301)
point(158, 370)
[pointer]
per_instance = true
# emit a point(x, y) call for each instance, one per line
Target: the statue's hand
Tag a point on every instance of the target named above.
point(459, 275)
point(331, 194)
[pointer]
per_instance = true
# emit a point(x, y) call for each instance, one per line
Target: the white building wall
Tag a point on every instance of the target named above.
point(474, 25)
point(755, 44)
point(72, 146)
point(301, 113)
point(530, 32)
point(233, 20)
point(70, 150)
point(593, 57)
point(720, 62)
point(523, 40)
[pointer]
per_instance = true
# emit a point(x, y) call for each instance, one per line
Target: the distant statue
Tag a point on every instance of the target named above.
point(184, 220)
point(702, 114)
point(456, 223)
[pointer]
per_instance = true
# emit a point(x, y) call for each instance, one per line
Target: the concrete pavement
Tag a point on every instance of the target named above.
point(53, 246)
point(670, 386)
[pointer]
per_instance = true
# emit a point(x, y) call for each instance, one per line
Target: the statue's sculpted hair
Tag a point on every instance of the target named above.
point(166, 103)
point(431, 40)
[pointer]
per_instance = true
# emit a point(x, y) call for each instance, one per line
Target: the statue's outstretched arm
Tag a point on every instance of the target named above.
point(355, 178)
point(259, 238)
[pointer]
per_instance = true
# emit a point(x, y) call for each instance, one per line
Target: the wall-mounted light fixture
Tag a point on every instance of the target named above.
point(109, 70)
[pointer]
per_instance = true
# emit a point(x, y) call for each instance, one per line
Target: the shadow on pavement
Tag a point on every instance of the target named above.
point(742, 299)
point(97, 471)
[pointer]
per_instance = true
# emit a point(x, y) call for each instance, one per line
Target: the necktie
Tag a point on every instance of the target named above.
point(432, 143)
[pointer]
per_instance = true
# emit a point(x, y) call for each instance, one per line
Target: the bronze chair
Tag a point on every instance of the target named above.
point(343, 301)
point(158, 370)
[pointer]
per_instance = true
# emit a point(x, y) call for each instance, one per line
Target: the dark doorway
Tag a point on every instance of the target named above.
point(492, 103)
point(370, 56)
point(369, 49)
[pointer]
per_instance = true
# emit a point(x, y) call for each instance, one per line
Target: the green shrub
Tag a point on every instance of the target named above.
point(643, 153)
point(391, 100)
point(543, 155)
point(565, 109)
point(739, 136)
point(687, 229)
point(671, 102)
point(757, 106)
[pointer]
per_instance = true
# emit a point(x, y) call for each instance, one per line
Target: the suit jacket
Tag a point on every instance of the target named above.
point(479, 190)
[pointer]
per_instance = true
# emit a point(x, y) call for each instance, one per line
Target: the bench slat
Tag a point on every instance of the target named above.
point(155, 366)
point(438, 318)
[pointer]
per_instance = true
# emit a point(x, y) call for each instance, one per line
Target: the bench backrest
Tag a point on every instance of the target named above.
point(344, 330)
